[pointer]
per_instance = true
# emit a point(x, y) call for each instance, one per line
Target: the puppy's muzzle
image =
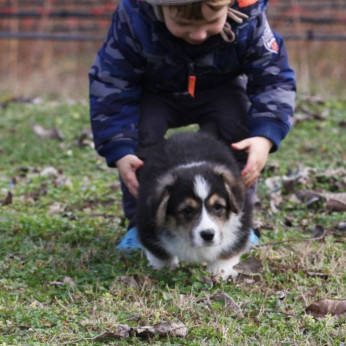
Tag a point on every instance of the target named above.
point(207, 235)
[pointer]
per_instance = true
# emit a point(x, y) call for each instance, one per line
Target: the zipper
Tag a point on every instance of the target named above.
point(191, 80)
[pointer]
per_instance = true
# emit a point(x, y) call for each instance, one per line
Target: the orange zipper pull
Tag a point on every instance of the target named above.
point(192, 85)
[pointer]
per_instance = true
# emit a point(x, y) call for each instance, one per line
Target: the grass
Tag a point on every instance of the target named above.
point(58, 262)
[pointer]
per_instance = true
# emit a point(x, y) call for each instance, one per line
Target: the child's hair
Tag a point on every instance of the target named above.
point(194, 10)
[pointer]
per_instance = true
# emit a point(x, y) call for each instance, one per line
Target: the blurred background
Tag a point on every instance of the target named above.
point(48, 46)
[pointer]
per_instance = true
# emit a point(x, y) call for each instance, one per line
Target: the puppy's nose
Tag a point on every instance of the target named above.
point(207, 234)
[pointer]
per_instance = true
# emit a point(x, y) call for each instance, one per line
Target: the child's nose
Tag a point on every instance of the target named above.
point(198, 35)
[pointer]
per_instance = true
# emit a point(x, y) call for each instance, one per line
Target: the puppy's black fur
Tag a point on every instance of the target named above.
point(167, 180)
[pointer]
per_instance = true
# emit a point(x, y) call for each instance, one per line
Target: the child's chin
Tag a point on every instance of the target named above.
point(193, 42)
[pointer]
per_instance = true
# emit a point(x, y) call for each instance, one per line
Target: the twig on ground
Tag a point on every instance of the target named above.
point(294, 240)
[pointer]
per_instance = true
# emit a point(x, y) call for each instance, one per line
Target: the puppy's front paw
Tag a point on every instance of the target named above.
point(158, 263)
point(173, 263)
point(224, 268)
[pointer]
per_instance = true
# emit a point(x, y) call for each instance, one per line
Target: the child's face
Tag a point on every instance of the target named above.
point(195, 31)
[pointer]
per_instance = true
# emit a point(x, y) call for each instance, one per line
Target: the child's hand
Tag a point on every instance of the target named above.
point(127, 167)
point(258, 149)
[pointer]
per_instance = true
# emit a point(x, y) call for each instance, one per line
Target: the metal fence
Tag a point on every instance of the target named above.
point(88, 20)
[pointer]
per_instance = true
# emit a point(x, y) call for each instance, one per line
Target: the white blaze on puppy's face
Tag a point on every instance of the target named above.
point(201, 187)
point(207, 231)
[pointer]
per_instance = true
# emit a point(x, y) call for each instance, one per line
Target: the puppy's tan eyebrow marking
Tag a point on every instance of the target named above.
point(189, 202)
point(216, 199)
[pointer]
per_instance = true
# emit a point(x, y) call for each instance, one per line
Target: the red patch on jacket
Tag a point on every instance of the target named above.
point(269, 39)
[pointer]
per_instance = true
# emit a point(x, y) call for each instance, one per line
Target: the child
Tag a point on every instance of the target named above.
point(170, 63)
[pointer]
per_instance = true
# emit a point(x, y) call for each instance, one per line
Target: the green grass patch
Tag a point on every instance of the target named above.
point(61, 217)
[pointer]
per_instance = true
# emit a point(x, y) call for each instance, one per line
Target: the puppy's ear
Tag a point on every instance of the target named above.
point(235, 188)
point(161, 210)
point(161, 198)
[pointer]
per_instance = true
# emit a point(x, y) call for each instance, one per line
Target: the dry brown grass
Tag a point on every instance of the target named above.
point(320, 67)
point(46, 69)
point(59, 69)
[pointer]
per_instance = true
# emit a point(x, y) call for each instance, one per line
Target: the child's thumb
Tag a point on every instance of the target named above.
point(140, 164)
point(240, 145)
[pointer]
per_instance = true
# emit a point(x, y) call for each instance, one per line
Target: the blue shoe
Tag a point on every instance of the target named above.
point(254, 240)
point(129, 242)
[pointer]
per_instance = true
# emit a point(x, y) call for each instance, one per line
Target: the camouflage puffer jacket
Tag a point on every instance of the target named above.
point(139, 52)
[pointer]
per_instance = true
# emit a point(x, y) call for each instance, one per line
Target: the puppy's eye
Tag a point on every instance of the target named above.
point(218, 208)
point(188, 212)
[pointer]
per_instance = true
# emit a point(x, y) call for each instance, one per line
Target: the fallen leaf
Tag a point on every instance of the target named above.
point(272, 166)
point(8, 198)
point(251, 265)
point(333, 173)
point(303, 113)
point(217, 278)
point(309, 293)
point(127, 281)
point(55, 283)
point(308, 197)
point(67, 281)
point(323, 276)
point(313, 99)
point(207, 280)
point(63, 181)
point(49, 172)
point(323, 307)
point(335, 201)
point(275, 201)
point(47, 133)
point(55, 209)
point(341, 226)
point(300, 117)
point(24, 327)
point(175, 329)
point(316, 233)
point(85, 139)
point(121, 332)
point(7, 100)
point(274, 186)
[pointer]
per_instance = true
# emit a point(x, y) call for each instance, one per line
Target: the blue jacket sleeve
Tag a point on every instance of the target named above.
point(271, 82)
point(114, 90)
